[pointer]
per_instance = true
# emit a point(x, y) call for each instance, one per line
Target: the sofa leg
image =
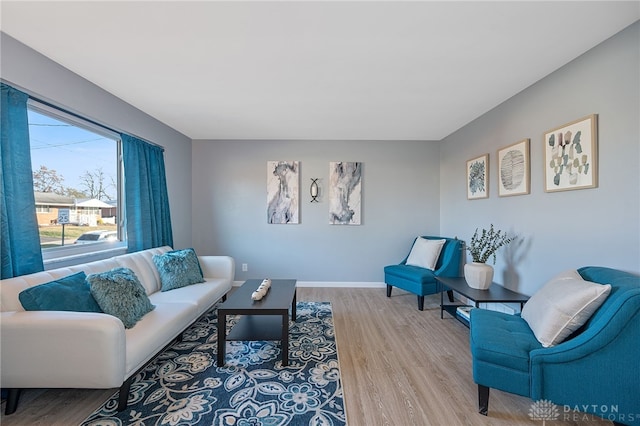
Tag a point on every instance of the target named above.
point(483, 400)
point(12, 401)
point(224, 297)
point(421, 303)
point(450, 294)
point(389, 290)
point(123, 396)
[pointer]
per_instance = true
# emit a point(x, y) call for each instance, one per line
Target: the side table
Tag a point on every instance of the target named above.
point(494, 294)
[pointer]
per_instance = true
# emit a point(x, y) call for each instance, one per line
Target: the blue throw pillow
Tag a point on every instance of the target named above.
point(120, 293)
point(70, 293)
point(178, 268)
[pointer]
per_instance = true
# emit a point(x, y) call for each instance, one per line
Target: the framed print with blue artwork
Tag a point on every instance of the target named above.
point(478, 177)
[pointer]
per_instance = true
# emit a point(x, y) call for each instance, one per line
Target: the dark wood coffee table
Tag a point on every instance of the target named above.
point(494, 294)
point(265, 319)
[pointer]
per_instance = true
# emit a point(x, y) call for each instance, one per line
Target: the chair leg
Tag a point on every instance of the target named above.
point(450, 294)
point(389, 290)
point(421, 303)
point(12, 401)
point(483, 400)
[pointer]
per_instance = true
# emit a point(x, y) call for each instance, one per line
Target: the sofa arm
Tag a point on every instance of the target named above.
point(218, 267)
point(594, 367)
point(55, 349)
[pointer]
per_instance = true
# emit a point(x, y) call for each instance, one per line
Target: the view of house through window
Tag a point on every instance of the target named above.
point(75, 180)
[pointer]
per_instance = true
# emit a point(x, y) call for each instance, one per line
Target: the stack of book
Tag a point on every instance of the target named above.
point(464, 312)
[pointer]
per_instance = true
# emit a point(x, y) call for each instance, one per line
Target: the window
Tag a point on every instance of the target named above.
point(76, 182)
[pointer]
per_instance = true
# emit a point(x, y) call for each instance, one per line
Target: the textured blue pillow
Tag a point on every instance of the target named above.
point(178, 268)
point(70, 293)
point(119, 293)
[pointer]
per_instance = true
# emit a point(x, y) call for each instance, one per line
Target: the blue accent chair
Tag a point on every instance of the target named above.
point(422, 281)
point(596, 370)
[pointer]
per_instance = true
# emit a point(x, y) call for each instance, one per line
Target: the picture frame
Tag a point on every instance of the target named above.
point(345, 192)
point(514, 169)
point(283, 192)
point(478, 177)
point(571, 155)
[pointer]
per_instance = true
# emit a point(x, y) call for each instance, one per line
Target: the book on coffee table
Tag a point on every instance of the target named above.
point(464, 312)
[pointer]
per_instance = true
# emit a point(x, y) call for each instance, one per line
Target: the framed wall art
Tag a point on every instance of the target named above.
point(478, 177)
point(345, 193)
point(514, 169)
point(283, 192)
point(571, 155)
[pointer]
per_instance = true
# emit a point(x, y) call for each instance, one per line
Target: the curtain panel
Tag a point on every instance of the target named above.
point(147, 202)
point(20, 250)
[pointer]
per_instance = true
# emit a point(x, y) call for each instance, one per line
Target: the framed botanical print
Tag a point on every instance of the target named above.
point(478, 177)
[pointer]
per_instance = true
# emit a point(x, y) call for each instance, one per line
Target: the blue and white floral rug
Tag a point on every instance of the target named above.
point(184, 386)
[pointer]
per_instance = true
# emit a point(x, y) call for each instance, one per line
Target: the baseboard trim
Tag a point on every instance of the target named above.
point(336, 284)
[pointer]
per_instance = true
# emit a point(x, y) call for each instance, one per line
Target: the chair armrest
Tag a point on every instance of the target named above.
point(218, 267)
point(451, 257)
point(55, 349)
point(595, 365)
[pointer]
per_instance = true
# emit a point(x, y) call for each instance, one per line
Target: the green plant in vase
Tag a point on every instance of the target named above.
point(483, 245)
point(486, 244)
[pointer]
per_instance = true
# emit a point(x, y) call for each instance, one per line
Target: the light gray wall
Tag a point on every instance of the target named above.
point(400, 200)
point(25, 68)
point(409, 188)
point(560, 230)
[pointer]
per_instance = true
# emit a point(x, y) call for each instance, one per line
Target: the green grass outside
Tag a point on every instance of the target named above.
point(71, 233)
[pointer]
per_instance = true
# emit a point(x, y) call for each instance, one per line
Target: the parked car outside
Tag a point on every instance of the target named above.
point(97, 237)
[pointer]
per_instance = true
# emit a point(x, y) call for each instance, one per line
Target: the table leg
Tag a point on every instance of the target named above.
point(293, 306)
point(285, 338)
point(222, 337)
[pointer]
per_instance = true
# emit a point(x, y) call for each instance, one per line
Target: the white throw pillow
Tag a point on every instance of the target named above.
point(425, 253)
point(562, 306)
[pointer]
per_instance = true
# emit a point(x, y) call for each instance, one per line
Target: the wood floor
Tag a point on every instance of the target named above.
point(399, 366)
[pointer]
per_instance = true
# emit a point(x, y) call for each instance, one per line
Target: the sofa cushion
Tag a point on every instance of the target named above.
point(501, 339)
point(155, 330)
point(119, 293)
point(203, 295)
point(411, 273)
point(425, 253)
point(562, 306)
point(178, 268)
point(70, 293)
point(141, 263)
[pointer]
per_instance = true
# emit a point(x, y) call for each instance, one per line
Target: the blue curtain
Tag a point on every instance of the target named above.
point(20, 240)
point(147, 202)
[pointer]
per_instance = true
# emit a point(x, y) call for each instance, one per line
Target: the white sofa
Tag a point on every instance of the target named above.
point(55, 349)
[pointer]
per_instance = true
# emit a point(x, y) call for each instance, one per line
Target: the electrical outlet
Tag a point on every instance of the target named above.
point(245, 267)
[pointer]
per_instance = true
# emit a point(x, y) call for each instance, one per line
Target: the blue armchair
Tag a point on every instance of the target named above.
point(596, 370)
point(422, 281)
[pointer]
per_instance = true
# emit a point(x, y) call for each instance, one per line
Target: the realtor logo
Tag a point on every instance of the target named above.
point(544, 410)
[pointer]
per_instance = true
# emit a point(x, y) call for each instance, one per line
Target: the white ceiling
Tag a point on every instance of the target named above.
point(314, 70)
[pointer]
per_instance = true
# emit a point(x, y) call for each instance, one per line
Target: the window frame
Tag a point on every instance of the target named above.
point(74, 254)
